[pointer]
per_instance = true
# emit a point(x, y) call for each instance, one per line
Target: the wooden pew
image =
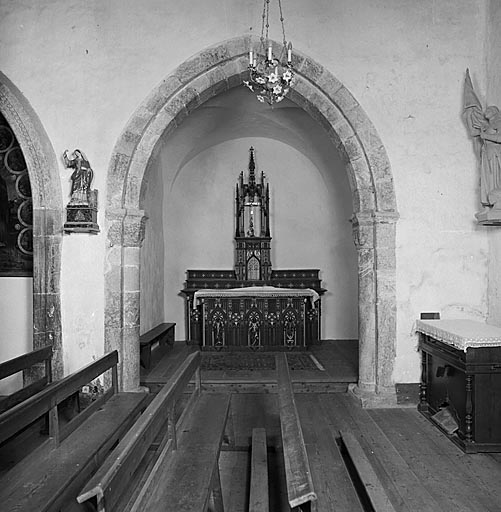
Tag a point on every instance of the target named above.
point(259, 495)
point(371, 482)
point(21, 363)
point(49, 478)
point(300, 490)
point(163, 334)
point(184, 470)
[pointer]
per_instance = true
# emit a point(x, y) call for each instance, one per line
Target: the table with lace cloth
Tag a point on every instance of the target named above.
point(461, 373)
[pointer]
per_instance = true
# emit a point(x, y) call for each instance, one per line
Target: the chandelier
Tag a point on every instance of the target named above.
point(270, 77)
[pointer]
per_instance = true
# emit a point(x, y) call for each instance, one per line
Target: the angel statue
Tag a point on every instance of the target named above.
point(485, 127)
point(81, 177)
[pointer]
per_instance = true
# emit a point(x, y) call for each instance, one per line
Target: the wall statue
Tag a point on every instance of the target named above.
point(485, 127)
point(81, 177)
point(81, 211)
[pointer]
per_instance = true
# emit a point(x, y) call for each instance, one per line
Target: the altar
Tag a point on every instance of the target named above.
point(263, 317)
point(253, 306)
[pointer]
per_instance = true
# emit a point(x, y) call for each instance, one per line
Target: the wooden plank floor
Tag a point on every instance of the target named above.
point(420, 468)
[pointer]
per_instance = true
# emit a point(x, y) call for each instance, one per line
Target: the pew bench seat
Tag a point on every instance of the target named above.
point(188, 479)
point(300, 491)
point(376, 492)
point(50, 477)
point(259, 488)
point(162, 334)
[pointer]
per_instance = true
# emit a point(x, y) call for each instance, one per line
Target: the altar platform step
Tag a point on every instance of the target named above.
point(334, 365)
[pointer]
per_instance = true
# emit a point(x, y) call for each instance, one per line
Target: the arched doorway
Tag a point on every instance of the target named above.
point(320, 94)
point(42, 168)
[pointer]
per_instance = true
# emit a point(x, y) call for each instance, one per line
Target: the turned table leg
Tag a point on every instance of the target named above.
point(423, 401)
point(469, 409)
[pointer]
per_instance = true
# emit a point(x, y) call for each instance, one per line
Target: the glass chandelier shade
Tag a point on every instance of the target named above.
point(270, 77)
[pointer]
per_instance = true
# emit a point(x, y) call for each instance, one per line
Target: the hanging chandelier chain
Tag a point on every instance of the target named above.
point(265, 23)
point(282, 21)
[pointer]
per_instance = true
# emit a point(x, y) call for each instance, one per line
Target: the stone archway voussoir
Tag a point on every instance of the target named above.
point(311, 70)
point(159, 97)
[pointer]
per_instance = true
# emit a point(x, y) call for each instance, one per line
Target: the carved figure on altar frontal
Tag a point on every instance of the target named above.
point(485, 127)
point(81, 177)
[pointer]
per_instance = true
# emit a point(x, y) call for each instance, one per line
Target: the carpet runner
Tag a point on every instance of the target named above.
point(249, 361)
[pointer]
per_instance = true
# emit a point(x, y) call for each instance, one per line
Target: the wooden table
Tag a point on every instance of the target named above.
point(461, 367)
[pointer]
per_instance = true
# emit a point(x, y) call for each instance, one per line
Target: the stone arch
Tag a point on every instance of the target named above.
point(47, 217)
point(318, 92)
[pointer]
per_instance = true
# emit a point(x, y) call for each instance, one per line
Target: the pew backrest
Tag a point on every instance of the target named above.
point(22, 363)
point(162, 334)
point(49, 398)
point(113, 477)
point(297, 469)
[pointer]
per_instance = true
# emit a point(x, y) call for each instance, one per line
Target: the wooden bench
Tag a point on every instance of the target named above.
point(300, 490)
point(22, 363)
point(259, 495)
point(162, 334)
point(368, 477)
point(184, 469)
point(49, 478)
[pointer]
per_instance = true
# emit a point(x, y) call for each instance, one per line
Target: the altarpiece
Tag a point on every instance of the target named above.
point(253, 306)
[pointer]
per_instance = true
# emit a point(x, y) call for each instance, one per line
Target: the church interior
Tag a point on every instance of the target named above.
point(249, 255)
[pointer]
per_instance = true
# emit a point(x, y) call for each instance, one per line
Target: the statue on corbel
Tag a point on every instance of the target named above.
point(485, 127)
point(81, 211)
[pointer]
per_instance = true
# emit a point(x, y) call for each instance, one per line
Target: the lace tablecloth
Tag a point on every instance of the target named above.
point(461, 334)
point(256, 291)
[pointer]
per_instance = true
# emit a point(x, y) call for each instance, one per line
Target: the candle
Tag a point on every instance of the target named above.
point(250, 57)
point(289, 52)
point(269, 52)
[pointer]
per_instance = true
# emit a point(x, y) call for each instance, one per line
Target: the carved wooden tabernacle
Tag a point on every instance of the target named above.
point(253, 306)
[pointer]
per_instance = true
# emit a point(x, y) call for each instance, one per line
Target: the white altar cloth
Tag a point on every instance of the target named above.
point(461, 333)
point(256, 291)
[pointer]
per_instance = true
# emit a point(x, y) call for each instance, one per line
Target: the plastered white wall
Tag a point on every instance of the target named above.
point(493, 97)
point(85, 66)
point(16, 331)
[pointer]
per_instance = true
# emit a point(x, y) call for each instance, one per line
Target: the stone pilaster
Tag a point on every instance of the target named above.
point(374, 235)
point(47, 237)
point(386, 308)
point(122, 281)
point(363, 234)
